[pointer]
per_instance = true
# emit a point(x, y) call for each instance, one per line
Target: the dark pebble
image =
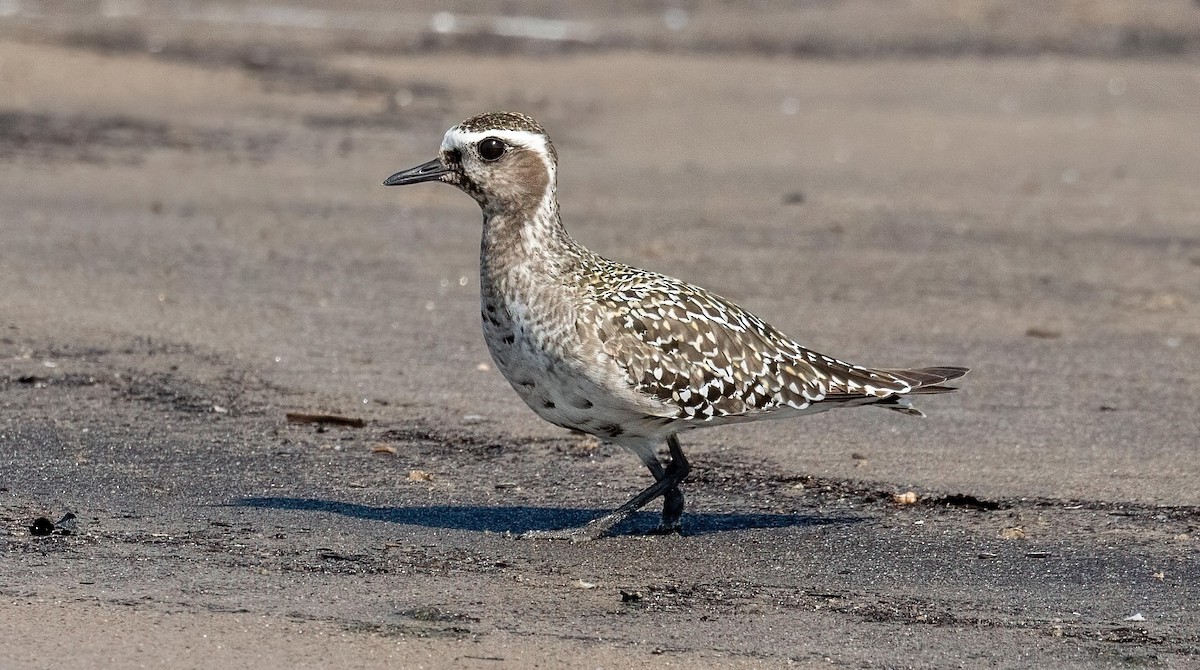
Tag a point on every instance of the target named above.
point(41, 526)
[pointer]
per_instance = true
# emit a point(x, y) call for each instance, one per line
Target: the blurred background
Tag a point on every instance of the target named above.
point(817, 28)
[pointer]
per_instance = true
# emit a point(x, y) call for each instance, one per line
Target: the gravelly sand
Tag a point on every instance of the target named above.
point(193, 245)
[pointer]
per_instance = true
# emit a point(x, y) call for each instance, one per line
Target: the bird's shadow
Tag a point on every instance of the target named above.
point(521, 519)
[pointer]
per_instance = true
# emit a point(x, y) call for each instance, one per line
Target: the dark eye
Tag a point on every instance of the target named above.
point(491, 148)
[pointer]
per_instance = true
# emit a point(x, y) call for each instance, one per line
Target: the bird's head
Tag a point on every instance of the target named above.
point(502, 159)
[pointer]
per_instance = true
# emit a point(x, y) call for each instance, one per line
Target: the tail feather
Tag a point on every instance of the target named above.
point(925, 381)
point(922, 380)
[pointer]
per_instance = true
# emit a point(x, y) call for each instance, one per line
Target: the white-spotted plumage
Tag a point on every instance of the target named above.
point(629, 355)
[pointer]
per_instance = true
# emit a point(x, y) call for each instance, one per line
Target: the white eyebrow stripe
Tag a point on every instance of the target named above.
point(457, 139)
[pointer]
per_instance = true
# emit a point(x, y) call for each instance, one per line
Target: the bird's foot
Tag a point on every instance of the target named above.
point(668, 529)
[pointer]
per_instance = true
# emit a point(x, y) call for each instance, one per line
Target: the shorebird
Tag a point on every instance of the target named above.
point(628, 355)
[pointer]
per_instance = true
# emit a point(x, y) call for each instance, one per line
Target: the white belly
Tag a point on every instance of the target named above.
point(544, 368)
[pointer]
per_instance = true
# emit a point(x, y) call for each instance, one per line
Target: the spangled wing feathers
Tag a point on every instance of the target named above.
point(705, 358)
point(699, 354)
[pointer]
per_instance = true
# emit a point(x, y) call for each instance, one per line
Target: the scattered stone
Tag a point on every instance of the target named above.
point(1043, 333)
point(41, 527)
point(967, 500)
point(325, 419)
point(66, 525)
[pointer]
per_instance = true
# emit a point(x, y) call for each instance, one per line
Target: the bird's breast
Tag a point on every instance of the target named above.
point(537, 348)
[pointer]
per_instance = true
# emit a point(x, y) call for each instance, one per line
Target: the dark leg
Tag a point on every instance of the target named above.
point(673, 498)
point(666, 484)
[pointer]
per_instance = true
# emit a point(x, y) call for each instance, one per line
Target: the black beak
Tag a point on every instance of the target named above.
point(431, 171)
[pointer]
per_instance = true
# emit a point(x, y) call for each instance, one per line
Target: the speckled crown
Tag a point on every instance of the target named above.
point(501, 121)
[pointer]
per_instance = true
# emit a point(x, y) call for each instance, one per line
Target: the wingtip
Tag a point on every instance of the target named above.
point(929, 377)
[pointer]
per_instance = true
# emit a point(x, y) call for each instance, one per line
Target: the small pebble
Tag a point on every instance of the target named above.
point(41, 526)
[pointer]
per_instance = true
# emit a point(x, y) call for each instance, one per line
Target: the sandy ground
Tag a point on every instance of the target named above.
point(194, 242)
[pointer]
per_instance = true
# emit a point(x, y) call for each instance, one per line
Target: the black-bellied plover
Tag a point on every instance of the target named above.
point(631, 356)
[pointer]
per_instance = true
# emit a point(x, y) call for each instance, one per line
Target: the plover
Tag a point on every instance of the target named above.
point(631, 356)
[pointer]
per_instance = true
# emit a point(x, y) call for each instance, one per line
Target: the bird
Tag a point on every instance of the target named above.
point(630, 356)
